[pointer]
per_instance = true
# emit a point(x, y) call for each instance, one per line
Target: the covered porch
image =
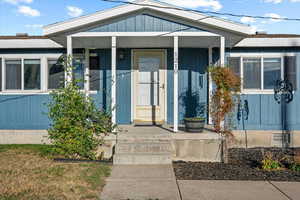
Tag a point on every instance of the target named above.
point(149, 43)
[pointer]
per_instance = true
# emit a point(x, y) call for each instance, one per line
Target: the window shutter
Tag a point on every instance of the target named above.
point(290, 70)
point(235, 64)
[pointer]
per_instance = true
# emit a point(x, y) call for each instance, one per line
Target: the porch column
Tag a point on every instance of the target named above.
point(87, 72)
point(175, 84)
point(68, 74)
point(222, 51)
point(113, 77)
point(210, 63)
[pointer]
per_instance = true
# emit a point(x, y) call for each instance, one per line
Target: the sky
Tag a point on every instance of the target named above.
point(29, 16)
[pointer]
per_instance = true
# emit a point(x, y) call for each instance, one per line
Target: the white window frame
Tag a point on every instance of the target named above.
point(261, 56)
point(22, 57)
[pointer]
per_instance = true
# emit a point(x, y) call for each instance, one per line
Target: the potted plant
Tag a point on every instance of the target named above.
point(194, 124)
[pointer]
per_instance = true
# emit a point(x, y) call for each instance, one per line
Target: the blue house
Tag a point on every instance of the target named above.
point(149, 62)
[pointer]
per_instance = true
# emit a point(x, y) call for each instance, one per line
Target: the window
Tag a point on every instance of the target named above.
point(290, 70)
point(261, 72)
point(78, 71)
point(56, 74)
point(32, 74)
point(94, 73)
point(272, 72)
point(13, 70)
point(252, 73)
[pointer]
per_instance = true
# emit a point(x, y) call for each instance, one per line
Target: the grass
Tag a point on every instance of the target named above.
point(28, 172)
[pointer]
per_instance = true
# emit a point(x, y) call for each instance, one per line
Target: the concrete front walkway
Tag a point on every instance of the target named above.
point(141, 182)
point(157, 182)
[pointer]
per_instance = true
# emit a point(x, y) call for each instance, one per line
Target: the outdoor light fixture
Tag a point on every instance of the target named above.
point(121, 55)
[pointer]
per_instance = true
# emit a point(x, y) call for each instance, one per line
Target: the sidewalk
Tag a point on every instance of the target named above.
point(158, 183)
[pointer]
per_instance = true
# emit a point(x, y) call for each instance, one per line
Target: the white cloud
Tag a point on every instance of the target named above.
point(34, 26)
point(293, 1)
point(213, 4)
point(74, 11)
point(28, 11)
point(273, 1)
point(272, 15)
point(247, 20)
point(15, 2)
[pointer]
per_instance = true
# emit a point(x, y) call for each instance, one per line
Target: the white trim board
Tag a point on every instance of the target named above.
point(145, 34)
point(269, 42)
point(129, 8)
point(28, 43)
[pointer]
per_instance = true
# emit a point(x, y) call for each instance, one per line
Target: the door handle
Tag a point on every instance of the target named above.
point(162, 86)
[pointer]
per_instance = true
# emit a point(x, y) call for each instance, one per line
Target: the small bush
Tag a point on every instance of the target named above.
point(295, 167)
point(78, 127)
point(270, 163)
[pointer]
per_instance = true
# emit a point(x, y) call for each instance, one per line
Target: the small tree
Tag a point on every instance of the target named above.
point(227, 86)
point(77, 127)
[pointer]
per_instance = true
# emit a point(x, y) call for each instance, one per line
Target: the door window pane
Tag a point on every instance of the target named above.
point(56, 74)
point(252, 73)
point(32, 74)
point(148, 83)
point(13, 74)
point(272, 72)
point(94, 73)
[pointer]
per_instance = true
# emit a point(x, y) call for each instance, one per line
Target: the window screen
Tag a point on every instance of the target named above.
point(56, 74)
point(94, 73)
point(272, 72)
point(32, 74)
point(13, 74)
point(235, 64)
point(290, 70)
point(252, 73)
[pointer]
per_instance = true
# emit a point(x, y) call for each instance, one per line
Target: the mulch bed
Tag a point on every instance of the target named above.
point(244, 164)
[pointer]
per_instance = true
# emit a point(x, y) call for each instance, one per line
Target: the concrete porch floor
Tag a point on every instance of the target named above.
point(163, 129)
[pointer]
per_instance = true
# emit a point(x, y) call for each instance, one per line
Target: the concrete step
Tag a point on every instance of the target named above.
point(142, 159)
point(143, 147)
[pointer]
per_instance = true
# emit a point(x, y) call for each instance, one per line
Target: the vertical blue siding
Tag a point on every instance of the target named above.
point(24, 112)
point(142, 23)
point(192, 84)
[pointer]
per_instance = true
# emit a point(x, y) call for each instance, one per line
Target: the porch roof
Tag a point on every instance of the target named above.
point(144, 39)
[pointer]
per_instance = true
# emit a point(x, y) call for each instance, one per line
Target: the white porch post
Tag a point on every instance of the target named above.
point(175, 84)
point(87, 72)
point(68, 74)
point(222, 51)
point(210, 63)
point(113, 77)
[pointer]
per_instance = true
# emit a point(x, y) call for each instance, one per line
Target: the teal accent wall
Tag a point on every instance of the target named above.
point(192, 83)
point(142, 23)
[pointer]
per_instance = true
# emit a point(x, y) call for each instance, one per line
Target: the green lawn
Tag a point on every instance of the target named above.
point(28, 172)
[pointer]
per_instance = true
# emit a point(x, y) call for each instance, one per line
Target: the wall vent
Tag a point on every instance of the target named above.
point(278, 139)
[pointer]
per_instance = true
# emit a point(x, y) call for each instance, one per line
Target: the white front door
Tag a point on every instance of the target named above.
point(149, 86)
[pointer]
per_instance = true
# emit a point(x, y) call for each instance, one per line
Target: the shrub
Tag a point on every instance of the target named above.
point(270, 163)
point(77, 127)
point(295, 167)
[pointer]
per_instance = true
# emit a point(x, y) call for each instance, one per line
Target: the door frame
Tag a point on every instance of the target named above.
point(133, 102)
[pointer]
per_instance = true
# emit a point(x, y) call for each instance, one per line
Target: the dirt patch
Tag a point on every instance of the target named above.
point(244, 164)
point(25, 174)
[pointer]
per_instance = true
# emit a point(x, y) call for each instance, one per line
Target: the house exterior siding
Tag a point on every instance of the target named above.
point(142, 23)
point(265, 112)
